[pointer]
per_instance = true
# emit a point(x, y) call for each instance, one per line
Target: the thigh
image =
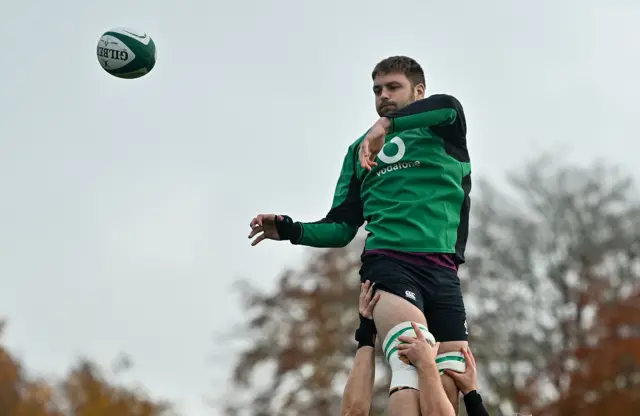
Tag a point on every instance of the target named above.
point(444, 309)
point(390, 275)
point(400, 299)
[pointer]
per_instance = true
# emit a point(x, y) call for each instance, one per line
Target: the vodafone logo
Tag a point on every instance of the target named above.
point(399, 143)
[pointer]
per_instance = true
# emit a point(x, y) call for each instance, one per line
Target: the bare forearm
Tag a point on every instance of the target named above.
point(359, 389)
point(433, 399)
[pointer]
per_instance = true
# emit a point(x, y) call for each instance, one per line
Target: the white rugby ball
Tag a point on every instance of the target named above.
point(126, 53)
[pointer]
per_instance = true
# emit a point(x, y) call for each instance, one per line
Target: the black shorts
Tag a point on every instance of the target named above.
point(434, 290)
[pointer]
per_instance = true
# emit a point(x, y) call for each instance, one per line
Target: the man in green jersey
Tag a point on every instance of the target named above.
point(409, 179)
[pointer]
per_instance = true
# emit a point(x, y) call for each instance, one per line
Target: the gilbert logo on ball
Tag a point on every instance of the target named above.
point(126, 53)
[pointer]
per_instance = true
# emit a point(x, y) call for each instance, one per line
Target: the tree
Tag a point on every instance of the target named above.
point(18, 395)
point(536, 250)
point(84, 392)
point(536, 255)
point(303, 337)
point(605, 376)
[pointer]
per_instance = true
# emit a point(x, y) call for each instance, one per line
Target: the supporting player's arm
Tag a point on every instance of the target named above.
point(473, 404)
point(356, 400)
point(358, 392)
point(467, 383)
point(341, 224)
point(433, 398)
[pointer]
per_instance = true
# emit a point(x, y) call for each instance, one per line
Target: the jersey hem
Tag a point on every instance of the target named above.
point(412, 249)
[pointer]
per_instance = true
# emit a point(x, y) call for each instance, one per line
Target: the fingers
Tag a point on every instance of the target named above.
point(255, 231)
point(367, 158)
point(369, 162)
point(436, 347)
point(406, 339)
point(371, 157)
point(465, 353)
point(364, 154)
point(364, 288)
point(404, 346)
point(256, 221)
point(368, 300)
point(257, 227)
point(418, 331)
point(455, 376)
point(369, 294)
point(259, 220)
point(258, 240)
point(372, 304)
point(473, 359)
point(468, 356)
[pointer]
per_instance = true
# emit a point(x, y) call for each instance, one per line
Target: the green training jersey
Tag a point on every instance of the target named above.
point(417, 197)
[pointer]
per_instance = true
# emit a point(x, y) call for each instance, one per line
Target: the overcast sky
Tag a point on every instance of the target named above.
point(125, 203)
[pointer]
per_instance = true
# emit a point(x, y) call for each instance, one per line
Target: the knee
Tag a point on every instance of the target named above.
point(403, 373)
point(450, 357)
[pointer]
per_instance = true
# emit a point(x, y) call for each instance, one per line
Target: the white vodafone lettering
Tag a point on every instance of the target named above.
point(398, 166)
point(399, 155)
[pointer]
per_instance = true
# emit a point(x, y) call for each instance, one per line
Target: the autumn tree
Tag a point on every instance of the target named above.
point(303, 339)
point(85, 391)
point(603, 376)
point(18, 394)
point(536, 248)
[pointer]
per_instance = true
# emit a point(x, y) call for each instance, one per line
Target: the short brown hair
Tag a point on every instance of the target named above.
point(408, 66)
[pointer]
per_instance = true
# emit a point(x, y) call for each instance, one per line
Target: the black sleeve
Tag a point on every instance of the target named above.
point(441, 113)
point(473, 404)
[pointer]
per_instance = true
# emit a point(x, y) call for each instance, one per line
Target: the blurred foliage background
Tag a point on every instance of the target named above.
point(553, 302)
point(552, 294)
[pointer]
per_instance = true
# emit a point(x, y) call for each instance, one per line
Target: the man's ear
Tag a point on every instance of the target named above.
point(419, 91)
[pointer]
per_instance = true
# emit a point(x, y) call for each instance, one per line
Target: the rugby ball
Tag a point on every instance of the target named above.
point(126, 53)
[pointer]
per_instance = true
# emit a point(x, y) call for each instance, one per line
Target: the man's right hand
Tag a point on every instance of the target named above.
point(366, 333)
point(367, 300)
point(264, 227)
